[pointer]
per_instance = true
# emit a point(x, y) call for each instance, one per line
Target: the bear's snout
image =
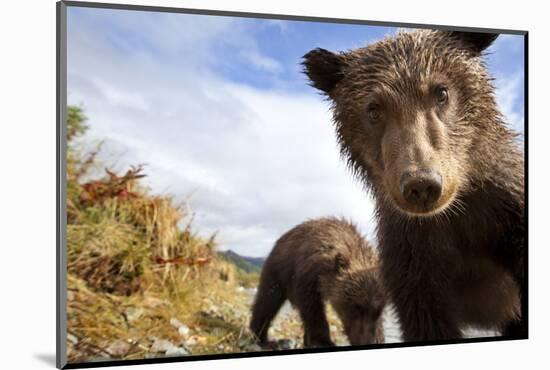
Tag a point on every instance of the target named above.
point(421, 188)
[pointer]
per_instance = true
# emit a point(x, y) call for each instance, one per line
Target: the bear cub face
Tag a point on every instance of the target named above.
point(408, 111)
point(359, 301)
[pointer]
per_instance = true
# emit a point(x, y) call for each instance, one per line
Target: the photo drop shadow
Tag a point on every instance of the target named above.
point(46, 358)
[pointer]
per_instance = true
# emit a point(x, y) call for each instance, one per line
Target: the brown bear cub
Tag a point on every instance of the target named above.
point(416, 119)
point(317, 261)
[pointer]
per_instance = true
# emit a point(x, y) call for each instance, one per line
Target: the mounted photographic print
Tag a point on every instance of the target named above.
point(235, 185)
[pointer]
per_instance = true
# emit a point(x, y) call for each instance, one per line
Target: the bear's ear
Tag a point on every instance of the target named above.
point(340, 262)
point(475, 41)
point(323, 68)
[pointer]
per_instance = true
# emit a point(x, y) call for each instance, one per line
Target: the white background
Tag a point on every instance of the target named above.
point(27, 185)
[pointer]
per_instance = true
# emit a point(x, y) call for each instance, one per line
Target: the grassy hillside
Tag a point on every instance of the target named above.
point(248, 274)
point(138, 285)
point(256, 261)
point(247, 264)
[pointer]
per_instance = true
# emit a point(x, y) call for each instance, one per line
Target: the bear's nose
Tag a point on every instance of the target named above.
point(421, 188)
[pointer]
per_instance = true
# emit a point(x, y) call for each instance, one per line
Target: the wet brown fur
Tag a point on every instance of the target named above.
point(322, 260)
point(460, 263)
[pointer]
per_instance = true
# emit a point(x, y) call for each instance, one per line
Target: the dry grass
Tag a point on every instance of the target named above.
point(98, 320)
point(137, 279)
point(132, 271)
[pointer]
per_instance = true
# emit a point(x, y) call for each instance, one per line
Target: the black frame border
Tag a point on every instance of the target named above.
point(61, 221)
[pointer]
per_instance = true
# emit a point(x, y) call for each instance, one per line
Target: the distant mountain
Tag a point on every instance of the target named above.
point(247, 264)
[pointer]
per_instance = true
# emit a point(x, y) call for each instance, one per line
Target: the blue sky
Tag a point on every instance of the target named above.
point(219, 110)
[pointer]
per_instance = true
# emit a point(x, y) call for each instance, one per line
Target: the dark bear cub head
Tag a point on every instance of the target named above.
point(410, 112)
point(359, 299)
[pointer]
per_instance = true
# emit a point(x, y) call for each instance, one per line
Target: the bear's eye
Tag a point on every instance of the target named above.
point(441, 95)
point(373, 112)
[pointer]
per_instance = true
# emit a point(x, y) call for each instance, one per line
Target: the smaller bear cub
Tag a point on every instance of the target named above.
point(322, 260)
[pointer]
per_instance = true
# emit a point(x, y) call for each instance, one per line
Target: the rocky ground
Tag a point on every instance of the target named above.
point(220, 326)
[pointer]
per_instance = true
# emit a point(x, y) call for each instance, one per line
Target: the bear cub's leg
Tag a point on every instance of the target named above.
point(269, 299)
point(314, 319)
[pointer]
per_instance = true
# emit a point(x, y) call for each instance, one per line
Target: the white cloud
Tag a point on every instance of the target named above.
point(262, 62)
point(252, 163)
point(280, 24)
point(508, 94)
point(505, 59)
